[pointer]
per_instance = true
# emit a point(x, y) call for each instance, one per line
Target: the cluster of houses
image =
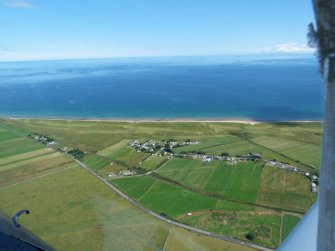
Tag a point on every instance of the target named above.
point(313, 177)
point(43, 139)
point(224, 157)
point(121, 173)
point(160, 147)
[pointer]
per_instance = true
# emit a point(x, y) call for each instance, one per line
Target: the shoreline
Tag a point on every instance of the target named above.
point(177, 120)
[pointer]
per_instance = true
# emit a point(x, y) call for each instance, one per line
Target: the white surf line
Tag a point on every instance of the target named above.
point(37, 177)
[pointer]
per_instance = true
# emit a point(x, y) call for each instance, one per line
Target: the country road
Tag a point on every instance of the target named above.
point(160, 217)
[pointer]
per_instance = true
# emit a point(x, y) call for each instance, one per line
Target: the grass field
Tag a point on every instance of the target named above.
point(263, 225)
point(289, 222)
point(128, 156)
point(300, 142)
point(72, 210)
point(207, 213)
point(111, 149)
point(284, 189)
point(208, 143)
point(240, 181)
point(153, 162)
point(95, 162)
point(301, 151)
point(171, 200)
point(182, 240)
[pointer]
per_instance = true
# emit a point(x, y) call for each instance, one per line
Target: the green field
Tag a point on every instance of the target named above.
point(95, 162)
point(111, 149)
point(127, 156)
point(295, 143)
point(240, 181)
point(207, 213)
point(289, 222)
point(72, 210)
point(171, 200)
point(300, 151)
point(284, 189)
point(263, 225)
point(153, 162)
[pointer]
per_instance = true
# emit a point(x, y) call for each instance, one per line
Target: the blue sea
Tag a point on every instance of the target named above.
point(262, 88)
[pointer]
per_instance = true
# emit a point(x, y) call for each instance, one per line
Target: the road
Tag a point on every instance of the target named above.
point(160, 217)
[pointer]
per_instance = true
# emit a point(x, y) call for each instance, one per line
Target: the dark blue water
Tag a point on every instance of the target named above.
point(257, 88)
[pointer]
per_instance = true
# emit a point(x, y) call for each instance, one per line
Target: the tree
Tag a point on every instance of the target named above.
point(324, 39)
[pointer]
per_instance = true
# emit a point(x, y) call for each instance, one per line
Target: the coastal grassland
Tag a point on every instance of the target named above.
point(300, 151)
point(284, 189)
point(264, 226)
point(152, 162)
point(93, 136)
point(128, 156)
point(240, 181)
point(171, 200)
point(9, 131)
point(289, 222)
point(72, 210)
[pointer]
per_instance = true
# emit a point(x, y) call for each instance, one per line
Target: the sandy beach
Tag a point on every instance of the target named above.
point(178, 120)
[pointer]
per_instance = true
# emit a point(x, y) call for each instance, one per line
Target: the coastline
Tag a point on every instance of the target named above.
point(177, 120)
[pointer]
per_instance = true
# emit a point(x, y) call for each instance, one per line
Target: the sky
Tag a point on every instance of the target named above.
point(64, 29)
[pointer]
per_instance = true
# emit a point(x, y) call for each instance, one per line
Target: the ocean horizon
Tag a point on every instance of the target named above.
point(255, 88)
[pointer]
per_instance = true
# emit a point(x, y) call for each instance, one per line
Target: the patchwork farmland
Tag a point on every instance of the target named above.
point(247, 200)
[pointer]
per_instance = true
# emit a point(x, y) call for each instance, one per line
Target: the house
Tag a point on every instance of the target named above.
point(252, 155)
point(314, 188)
point(206, 159)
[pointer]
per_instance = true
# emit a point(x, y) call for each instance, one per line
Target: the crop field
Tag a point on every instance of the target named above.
point(306, 153)
point(152, 162)
point(240, 181)
point(284, 189)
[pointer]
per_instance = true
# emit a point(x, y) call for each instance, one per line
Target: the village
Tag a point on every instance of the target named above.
point(165, 148)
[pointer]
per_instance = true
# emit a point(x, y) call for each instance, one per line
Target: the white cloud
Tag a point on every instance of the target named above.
point(290, 47)
point(21, 4)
